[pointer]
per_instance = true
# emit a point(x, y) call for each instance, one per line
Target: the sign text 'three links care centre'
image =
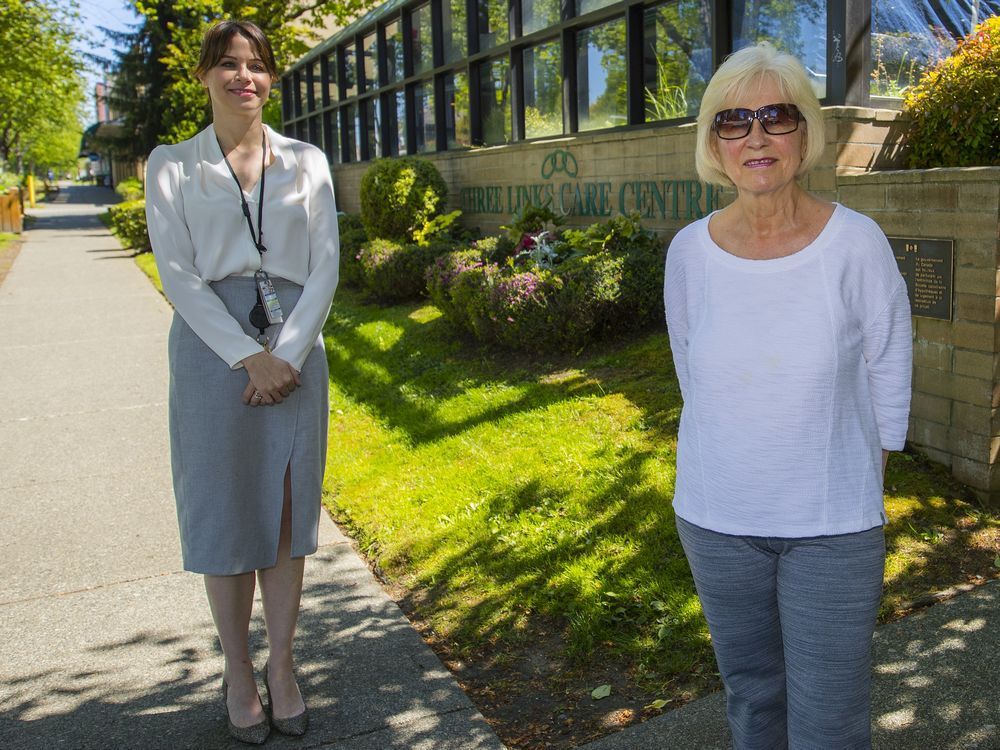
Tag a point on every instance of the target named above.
point(653, 199)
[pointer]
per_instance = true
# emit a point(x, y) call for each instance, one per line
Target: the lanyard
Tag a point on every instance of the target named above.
point(258, 237)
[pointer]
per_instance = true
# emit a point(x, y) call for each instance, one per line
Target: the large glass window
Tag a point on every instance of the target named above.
point(456, 92)
point(299, 88)
point(677, 59)
point(316, 131)
point(423, 49)
point(423, 105)
point(350, 71)
point(910, 36)
point(332, 83)
point(494, 98)
point(373, 127)
point(288, 98)
point(798, 28)
point(395, 115)
point(602, 85)
point(454, 30)
point(369, 53)
point(317, 85)
point(331, 141)
point(352, 133)
point(494, 24)
point(538, 14)
point(394, 51)
point(543, 113)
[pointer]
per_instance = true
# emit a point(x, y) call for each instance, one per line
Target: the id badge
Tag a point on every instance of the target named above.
point(272, 307)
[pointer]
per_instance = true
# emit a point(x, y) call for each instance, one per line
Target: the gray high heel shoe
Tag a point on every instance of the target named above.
point(293, 726)
point(255, 734)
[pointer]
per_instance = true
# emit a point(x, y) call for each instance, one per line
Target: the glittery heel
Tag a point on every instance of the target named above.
point(293, 726)
point(252, 735)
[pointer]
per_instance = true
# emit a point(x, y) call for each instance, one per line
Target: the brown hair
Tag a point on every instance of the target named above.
point(216, 42)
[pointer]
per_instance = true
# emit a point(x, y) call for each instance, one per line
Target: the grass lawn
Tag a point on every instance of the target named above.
point(522, 505)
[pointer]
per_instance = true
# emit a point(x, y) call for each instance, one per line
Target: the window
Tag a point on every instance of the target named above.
point(538, 14)
point(453, 30)
point(494, 98)
point(352, 133)
point(298, 89)
point(493, 23)
point(394, 51)
point(456, 95)
point(798, 28)
point(369, 53)
point(315, 131)
point(373, 127)
point(350, 71)
point(332, 85)
point(423, 105)
point(909, 37)
point(317, 85)
point(543, 113)
point(423, 49)
point(287, 98)
point(601, 74)
point(395, 115)
point(331, 142)
point(677, 59)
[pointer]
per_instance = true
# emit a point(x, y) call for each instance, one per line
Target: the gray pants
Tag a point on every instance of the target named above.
point(792, 623)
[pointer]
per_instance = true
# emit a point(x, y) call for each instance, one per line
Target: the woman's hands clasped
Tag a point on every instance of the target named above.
point(271, 379)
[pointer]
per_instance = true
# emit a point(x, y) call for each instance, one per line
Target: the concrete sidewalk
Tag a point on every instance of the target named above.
point(104, 641)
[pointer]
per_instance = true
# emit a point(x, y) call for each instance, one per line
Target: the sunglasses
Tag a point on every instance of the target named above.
point(776, 119)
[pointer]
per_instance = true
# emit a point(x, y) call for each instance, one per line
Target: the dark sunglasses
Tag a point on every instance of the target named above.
point(776, 119)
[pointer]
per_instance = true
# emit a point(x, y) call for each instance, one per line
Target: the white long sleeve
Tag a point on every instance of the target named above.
point(795, 374)
point(199, 235)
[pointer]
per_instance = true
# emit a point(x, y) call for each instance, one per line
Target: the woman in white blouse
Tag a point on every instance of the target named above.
point(244, 229)
point(790, 331)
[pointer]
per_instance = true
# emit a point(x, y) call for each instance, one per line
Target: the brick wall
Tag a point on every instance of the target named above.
point(954, 418)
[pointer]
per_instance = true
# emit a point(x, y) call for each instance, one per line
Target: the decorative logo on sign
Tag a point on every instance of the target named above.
point(559, 160)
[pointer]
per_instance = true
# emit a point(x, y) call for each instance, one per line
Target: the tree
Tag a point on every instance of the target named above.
point(41, 87)
point(154, 86)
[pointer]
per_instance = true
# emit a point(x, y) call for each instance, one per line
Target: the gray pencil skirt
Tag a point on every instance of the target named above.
point(229, 460)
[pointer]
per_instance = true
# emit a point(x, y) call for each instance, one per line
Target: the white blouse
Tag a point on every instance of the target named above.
point(199, 235)
point(795, 374)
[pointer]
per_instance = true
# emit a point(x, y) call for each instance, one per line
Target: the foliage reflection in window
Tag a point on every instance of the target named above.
point(395, 120)
point(454, 30)
point(494, 96)
point(493, 23)
point(795, 27)
point(909, 37)
point(543, 113)
point(394, 51)
point(317, 85)
point(331, 141)
point(423, 105)
point(538, 14)
point(586, 6)
point(350, 71)
point(677, 58)
point(370, 55)
point(456, 92)
point(602, 91)
point(300, 91)
point(423, 49)
point(332, 87)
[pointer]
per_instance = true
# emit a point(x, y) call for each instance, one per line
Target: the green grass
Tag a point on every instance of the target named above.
point(147, 264)
point(507, 492)
point(6, 238)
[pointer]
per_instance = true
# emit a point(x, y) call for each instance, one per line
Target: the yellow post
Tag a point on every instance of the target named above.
point(31, 190)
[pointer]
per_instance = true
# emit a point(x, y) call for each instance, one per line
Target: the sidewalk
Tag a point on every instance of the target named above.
point(104, 641)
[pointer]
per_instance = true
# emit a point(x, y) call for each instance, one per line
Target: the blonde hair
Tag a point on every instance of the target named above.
point(744, 70)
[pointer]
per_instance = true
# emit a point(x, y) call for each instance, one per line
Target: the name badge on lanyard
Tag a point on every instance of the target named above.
point(268, 297)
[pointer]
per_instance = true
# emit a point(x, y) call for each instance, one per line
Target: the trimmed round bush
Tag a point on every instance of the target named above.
point(130, 189)
point(128, 222)
point(955, 109)
point(400, 196)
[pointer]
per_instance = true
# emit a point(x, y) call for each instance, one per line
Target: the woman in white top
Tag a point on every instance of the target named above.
point(790, 331)
point(243, 225)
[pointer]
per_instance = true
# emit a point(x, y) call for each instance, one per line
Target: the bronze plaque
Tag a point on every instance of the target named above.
point(927, 266)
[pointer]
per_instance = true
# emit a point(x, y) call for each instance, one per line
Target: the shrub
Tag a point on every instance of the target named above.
point(954, 111)
point(128, 222)
point(9, 180)
point(399, 196)
point(352, 237)
point(393, 271)
point(440, 276)
point(130, 189)
point(495, 249)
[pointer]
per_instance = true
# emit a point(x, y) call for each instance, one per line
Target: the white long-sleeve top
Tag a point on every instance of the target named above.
point(795, 374)
point(199, 235)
